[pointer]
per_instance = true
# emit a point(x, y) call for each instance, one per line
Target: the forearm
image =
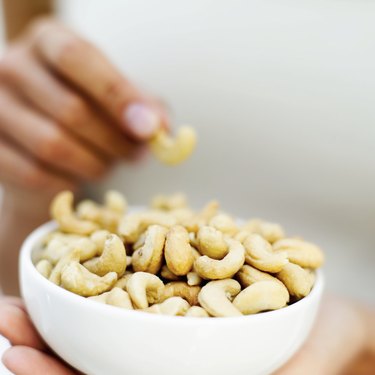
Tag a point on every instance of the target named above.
point(20, 213)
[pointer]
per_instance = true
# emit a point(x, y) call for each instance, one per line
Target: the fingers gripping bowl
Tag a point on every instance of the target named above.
point(98, 338)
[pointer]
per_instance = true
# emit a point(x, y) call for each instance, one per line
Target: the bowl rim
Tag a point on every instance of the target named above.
point(26, 265)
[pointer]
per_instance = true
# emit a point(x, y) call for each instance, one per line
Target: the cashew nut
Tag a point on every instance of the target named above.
point(131, 226)
point(300, 252)
point(123, 281)
point(77, 279)
point(259, 254)
point(98, 238)
point(101, 298)
point(176, 306)
point(297, 280)
point(149, 257)
point(73, 256)
point(249, 275)
point(177, 251)
point(261, 296)
point(167, 274)
point(197, 312)
point(169, 202)
point(215, 297)
point(272, 232)
point(173, 151)
point(193, 279)
point(212, 269)
point(62, 212)
point(181, 289)
point(113, 258)
point(115, 202)
point(192, 224)
point(144, 288)
point(44, 267)
point(224, 223)
point(120, 298)
point(211, 242)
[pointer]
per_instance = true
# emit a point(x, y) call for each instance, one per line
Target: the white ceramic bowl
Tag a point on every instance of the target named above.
point(104, 340)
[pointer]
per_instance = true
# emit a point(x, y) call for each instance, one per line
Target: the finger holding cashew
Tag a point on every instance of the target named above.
point(175, 306)
point(44, 267)
point(210, 242)
point(73, 256)
point(181, 289)
point(224, 223)
point(62, 211)
point(297, 280)
point(178, 251)
point(149, 257)
point(197, 312)
point(144, 289)
point(261, 296)
point(249, 275)
point(172, 151)
point(259, 254)
point(79, 280)
point(215, 297)
point(300, 252)
point(272, 232)
point(113, 258)
point(214, 269)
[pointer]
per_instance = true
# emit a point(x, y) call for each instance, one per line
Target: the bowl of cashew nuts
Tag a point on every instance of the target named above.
point(166, 289)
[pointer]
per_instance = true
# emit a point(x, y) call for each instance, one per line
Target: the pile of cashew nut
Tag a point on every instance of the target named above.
point(168, 259)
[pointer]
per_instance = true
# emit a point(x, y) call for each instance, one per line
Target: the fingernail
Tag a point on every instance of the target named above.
point(141, 120)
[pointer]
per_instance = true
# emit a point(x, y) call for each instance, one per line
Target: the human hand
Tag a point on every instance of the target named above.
point(337, 341)
point(66, 113)
point(28, 355)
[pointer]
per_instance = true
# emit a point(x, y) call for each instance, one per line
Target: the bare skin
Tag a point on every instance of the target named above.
point(59, 129)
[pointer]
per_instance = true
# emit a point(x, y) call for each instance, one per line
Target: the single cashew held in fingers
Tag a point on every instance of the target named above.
point(62, 211)
point(181, 289)
point(208, 268)
point(113, 258)
point(174, 151)
point(73, 256)
point(215, 297)
point(197, 312)
point(225, 224)
point(176, 306)
point(178, 251)
point(272, 232)
point(300, 252)
point(149, 257)
point(261, 296)
point(79, 280)
point(259, 254)
point(169, 202)
point(298, 281)
point(249, 275)
point(210, 242)
point(44, 267)
point(144, 288)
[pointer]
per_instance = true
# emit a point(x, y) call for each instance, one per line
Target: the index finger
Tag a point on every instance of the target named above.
point(87, 68)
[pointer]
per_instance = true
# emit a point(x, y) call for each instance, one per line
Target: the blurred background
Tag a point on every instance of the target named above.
point(282, 96)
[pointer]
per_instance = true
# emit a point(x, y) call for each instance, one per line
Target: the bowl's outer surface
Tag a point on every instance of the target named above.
point(103, 340)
